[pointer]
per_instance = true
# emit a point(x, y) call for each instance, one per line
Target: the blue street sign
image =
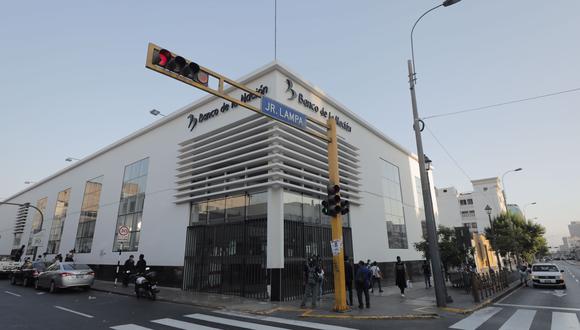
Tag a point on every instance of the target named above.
point(280, 111)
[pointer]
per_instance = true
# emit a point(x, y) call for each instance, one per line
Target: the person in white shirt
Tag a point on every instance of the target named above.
point(377, 276)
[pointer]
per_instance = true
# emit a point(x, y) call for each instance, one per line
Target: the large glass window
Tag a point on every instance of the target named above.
point(35, 237)
point(236, 208)
point(393, 202)
point(131, 206)
point(292, 206)
point(58, 221)
point(312, 209)
point(88, 217)
point(257, 206)
point(217, 210)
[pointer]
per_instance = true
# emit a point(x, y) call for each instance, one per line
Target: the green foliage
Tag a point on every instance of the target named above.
point(453, 254)
point(514, 234)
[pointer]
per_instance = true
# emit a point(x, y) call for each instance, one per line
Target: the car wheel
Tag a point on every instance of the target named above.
point(564, 287)
point(86, 288)
point(534, 286)
point(25, 281)
point(12, 280)
point(52, 288)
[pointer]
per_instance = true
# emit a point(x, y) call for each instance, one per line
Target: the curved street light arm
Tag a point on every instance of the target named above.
point(412, 46)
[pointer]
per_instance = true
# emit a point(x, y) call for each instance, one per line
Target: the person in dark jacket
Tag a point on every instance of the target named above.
point(400, 275)
point(348, 279)
point(311, 277)
point(362, 284)
point(129, 269)
point(141, 264)
point(427, 274)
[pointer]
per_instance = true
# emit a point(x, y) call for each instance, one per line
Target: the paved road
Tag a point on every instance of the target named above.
point(535, 309)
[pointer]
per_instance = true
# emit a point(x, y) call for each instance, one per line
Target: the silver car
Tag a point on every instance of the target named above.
point(65, 275)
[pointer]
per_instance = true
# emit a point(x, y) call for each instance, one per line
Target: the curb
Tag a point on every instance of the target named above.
point(161, 299)
point(485, 303)
point(308, 313)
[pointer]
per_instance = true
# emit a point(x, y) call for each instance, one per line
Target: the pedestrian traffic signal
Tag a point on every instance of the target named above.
point(344, 207)
point(179, 65)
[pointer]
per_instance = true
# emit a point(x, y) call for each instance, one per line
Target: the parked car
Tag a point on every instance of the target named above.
point(65, 275)
point(28, 273)
point(547, 275)
point(7, 265)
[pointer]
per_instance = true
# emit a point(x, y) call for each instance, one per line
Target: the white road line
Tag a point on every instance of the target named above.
point(182, 325)
point(74, 312)
point(476, 319)
point(504, 298)
point(12, 293)
point(234, 323)
point(540, 307)
point(130, 327)
point(521, 320)
point(285, 321)
point(565, 321)
point(40, 293)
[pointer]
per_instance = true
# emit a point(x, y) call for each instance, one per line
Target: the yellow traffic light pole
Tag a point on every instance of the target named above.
point(336, 222)
point(330, 138)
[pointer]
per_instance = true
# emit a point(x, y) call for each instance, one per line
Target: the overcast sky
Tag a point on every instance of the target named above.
point(72, 79)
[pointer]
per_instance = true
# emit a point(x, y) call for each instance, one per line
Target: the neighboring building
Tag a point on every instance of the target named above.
point(224, 200)
point(468, 209)
point(574, 228)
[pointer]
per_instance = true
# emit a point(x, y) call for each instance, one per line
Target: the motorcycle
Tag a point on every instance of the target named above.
point(146, 285)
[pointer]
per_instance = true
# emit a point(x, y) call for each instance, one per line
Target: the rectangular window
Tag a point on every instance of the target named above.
point(470, 201)
point(257, 206)
point(393, 203)
point(128, 228)
point(236, 208)
point(58, 221)
point(35, 238)
point(462, 202)
point(292, 206)
point(88, 217)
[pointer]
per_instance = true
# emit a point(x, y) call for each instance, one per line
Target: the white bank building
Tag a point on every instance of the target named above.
point(221, 199)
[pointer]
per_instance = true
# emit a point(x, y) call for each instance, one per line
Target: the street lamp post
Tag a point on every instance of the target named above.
point(70, 159)
point(525, 206)
point(438, 279)
point(156, 112)
point(488, 210)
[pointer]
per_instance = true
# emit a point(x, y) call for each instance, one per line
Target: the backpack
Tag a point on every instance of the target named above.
point(312, 276)
point(360, 276)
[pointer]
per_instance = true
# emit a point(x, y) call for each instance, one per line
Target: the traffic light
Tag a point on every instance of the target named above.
point(334, 204)
point(179, 65)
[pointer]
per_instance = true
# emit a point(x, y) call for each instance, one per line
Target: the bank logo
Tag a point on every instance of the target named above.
point(192, 122)
point(290, 90)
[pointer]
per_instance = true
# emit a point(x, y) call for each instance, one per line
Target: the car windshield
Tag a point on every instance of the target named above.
point(544, 268)
point(75, 267)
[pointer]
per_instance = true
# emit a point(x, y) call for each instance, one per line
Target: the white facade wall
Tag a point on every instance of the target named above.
point(448, 202)
point(163, 225)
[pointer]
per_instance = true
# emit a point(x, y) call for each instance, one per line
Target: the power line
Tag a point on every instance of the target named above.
point(501, 104)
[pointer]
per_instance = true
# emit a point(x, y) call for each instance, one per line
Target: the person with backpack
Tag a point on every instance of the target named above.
point(377, 276)
point(311, 280)
point(362, 283)
point(348, 279)
point(427, 274)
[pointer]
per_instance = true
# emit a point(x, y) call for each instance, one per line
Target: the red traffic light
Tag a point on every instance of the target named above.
point(162, 57)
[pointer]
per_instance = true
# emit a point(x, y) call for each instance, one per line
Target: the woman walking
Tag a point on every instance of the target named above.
point(400, 275)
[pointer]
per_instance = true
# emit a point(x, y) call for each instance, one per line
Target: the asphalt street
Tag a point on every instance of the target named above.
point(26, 308)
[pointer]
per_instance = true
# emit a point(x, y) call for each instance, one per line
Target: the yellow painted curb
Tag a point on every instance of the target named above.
point(309, 312)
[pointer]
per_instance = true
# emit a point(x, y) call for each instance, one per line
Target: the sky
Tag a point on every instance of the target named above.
point(72, 80)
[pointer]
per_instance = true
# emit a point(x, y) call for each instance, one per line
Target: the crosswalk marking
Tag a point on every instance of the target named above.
point(235, 323)
point(521, 320)
point(565, 321)
point(182, 325)
point(130, 327)
point(476, 319)
point(305, 324)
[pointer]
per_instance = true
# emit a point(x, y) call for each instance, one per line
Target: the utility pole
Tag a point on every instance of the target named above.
point(432, 239)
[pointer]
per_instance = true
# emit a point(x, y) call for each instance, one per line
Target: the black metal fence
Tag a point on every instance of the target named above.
point(227, 258)
point(302, 240)
point(482, 285)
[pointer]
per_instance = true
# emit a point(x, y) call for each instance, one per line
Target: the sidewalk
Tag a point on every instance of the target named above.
point(418, 302)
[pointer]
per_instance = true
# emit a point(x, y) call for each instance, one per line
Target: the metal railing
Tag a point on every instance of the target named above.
point(482, 285)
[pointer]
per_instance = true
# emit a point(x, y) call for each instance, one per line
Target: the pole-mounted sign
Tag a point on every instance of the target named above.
point(165, 62)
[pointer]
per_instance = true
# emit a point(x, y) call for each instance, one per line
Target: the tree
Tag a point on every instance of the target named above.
point(452, 252)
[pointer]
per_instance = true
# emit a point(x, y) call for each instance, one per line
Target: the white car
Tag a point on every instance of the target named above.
point(547, 275)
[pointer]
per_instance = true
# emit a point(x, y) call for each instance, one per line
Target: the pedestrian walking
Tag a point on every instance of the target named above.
point(348, 279)
point(310, 279)
point(320, 279)
point(400, 276)
point(523, 274)
point(362, 284)
point(69, 256)
point(128, 270)
point(377, 275)
point(141, 264)
point(427, 274)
